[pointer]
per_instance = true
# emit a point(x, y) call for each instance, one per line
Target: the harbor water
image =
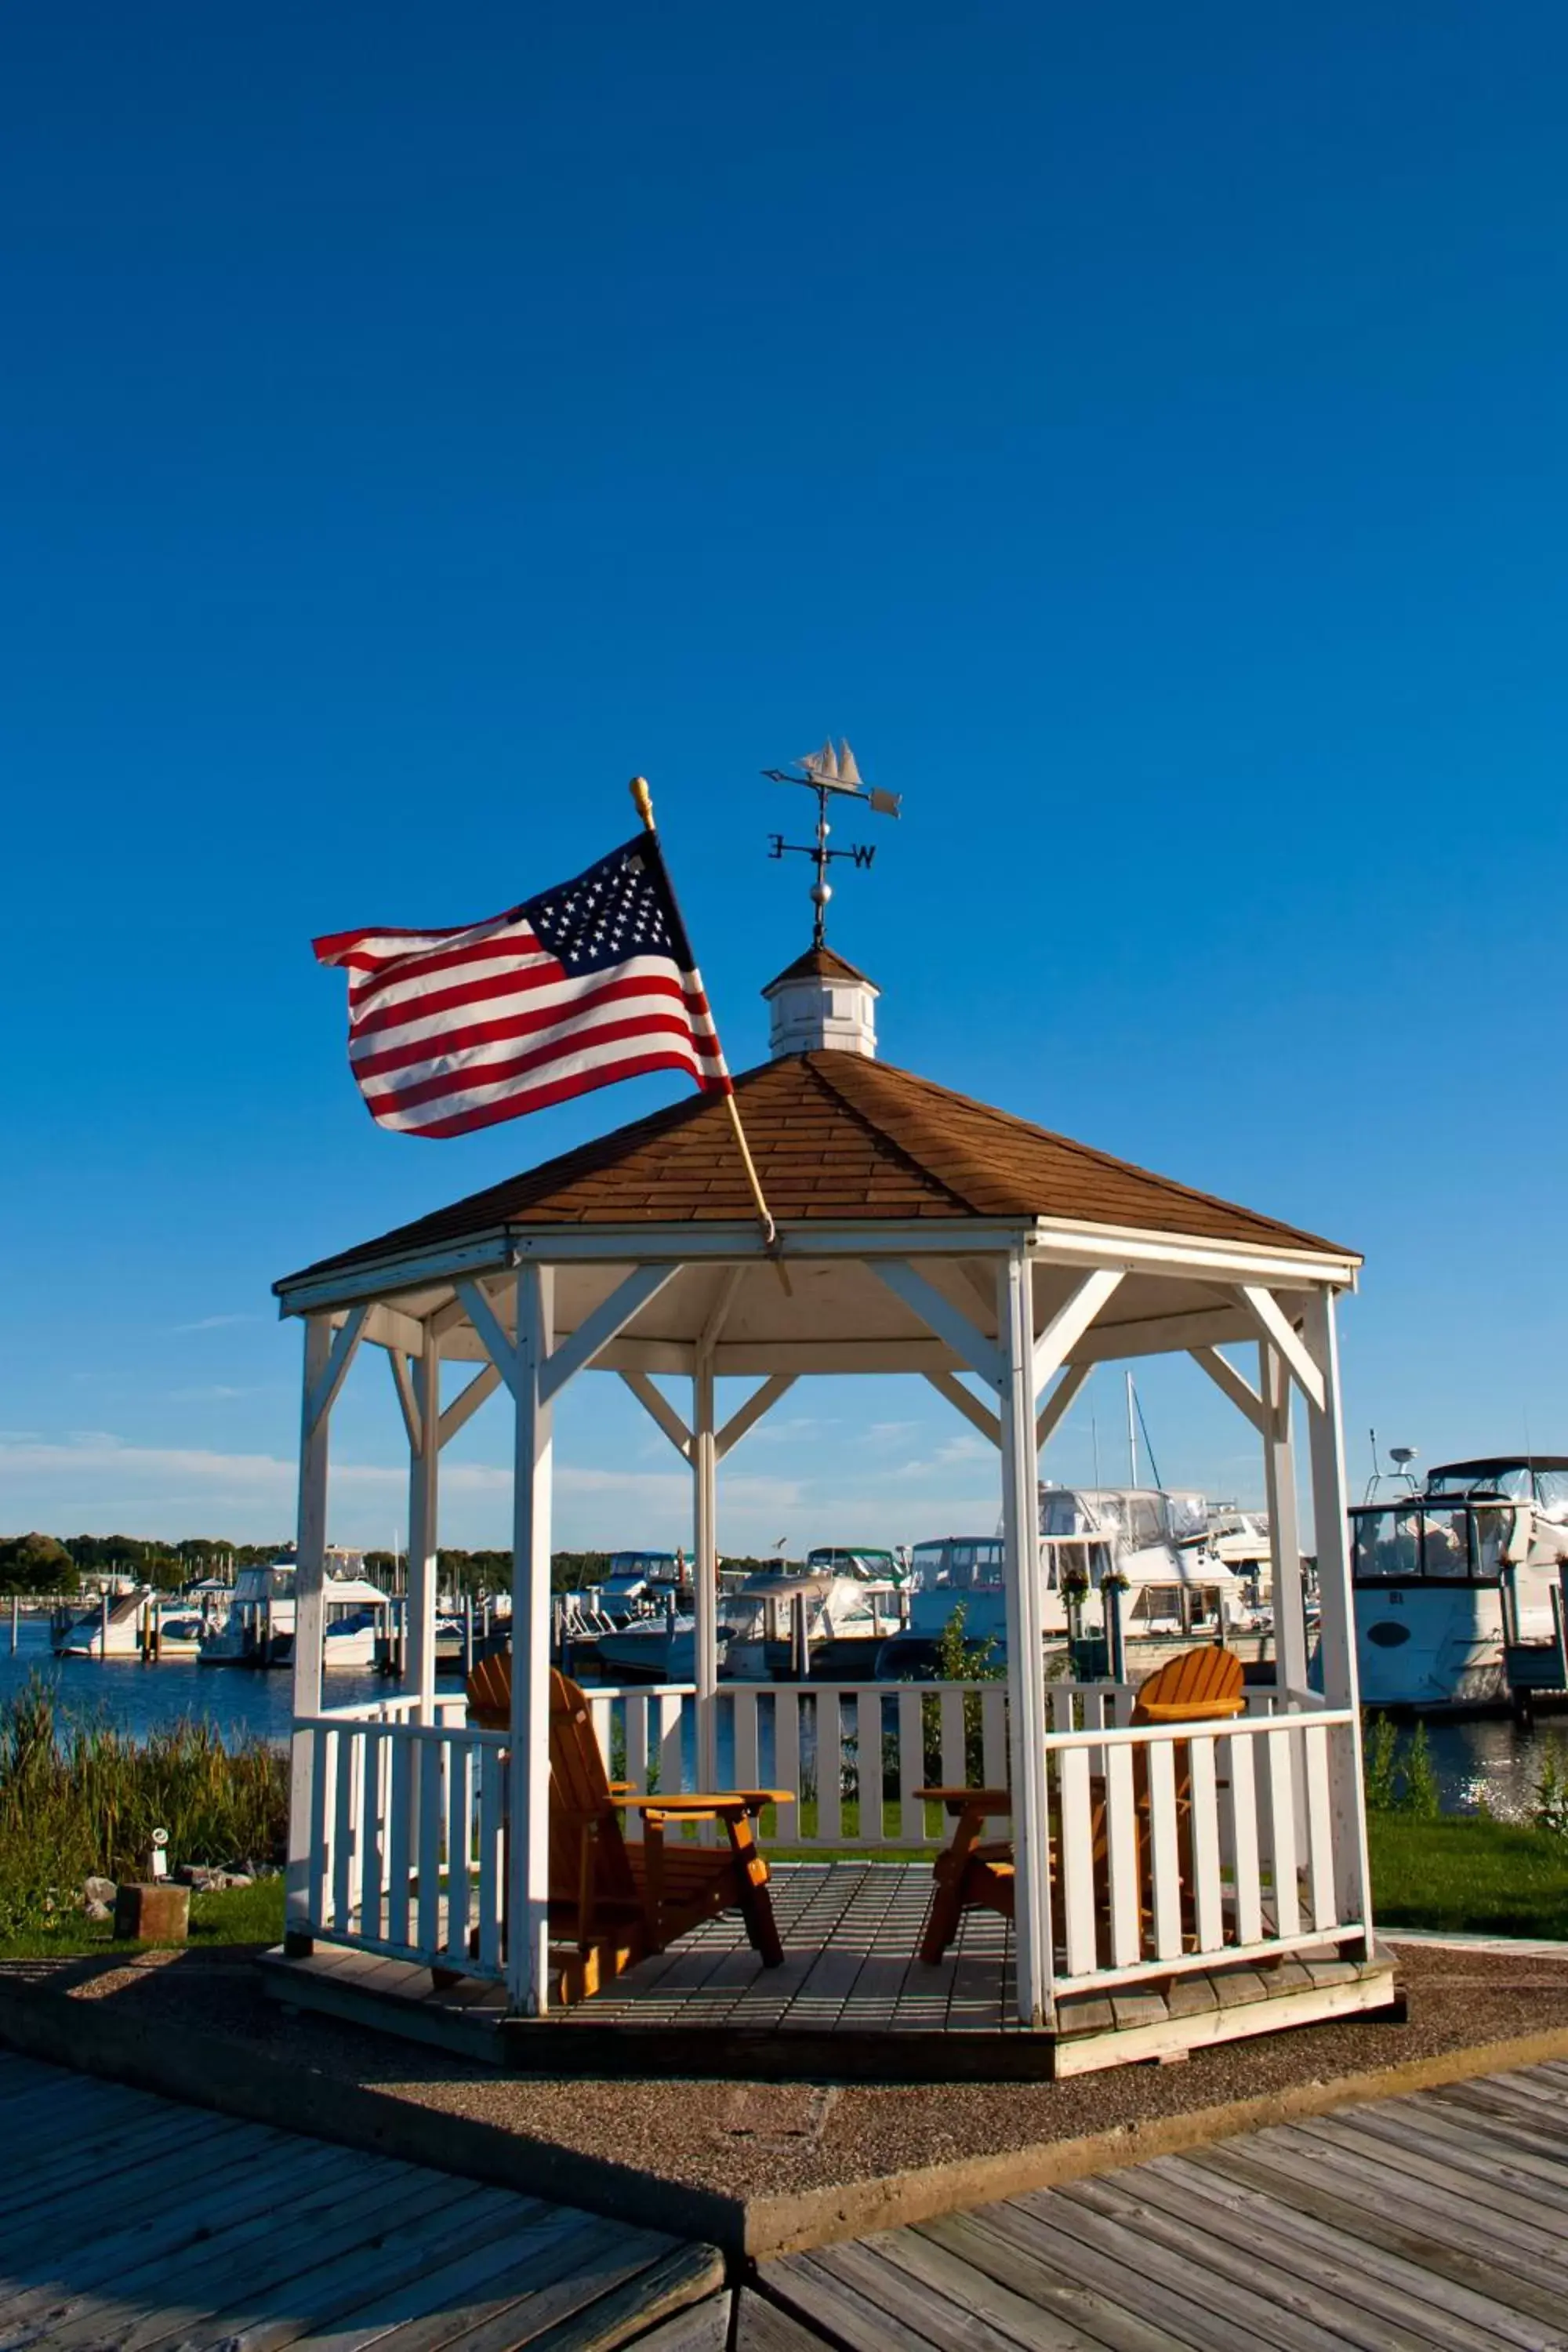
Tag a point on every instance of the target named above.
point(1489, 1759)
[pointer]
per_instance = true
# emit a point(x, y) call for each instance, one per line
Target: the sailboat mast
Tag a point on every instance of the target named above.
point(1131, 1434)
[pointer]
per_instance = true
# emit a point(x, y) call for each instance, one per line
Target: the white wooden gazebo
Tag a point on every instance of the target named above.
point(918, 1233)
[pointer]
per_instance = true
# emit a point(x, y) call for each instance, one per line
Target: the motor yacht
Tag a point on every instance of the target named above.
point(1439, 1571)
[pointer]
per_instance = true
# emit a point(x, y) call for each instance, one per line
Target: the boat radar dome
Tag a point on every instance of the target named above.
point(821, 1003)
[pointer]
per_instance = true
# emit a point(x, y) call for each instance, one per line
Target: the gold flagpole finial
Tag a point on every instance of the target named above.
point(643, 799)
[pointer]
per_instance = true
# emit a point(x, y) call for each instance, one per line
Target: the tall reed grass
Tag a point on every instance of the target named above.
point(78, 1798)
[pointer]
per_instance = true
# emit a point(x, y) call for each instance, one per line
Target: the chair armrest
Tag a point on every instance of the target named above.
point(962, 1800)
point(698, 1807)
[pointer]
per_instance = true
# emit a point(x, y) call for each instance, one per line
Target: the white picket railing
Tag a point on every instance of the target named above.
point(1172, 1845)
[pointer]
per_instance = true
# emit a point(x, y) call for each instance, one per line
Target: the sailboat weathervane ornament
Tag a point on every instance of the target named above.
point(822, 772)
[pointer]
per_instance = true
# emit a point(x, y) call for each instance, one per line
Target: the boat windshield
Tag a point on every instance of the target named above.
point(957, 1565)
point(834, 1559)
point(1512, 1480)
point(1422, 1542)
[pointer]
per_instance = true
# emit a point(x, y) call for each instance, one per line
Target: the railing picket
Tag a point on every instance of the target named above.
point(787, 1702)
point(1121, 1843)
point(1319, 1826)
point(402, 1769)
point(1164, 1850)
point(911, 1768)
point(868, 1757)
point(1243, 1793)
point(993, 1735)
point(601, 1711)
point(744, 1697)
point(343, 1831)
point(1202, 1826)
point(323, 1761)
point(432, 1764)
point(456, 1939)
point(493, 1893)
point(954, 1762)
point(1076, 1848)
point(636, 1742)
point(829, 1768)
point(670, 1709)
point(369, 1829)
point(1278, 1746)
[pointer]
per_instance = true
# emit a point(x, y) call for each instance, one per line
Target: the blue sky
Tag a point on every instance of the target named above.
point(1139, 429)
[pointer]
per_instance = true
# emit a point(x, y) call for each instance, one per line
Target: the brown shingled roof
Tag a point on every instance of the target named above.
point(835, 1136)
point(819, 963)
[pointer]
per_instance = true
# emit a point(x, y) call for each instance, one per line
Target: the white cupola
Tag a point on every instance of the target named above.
point(820, 1003)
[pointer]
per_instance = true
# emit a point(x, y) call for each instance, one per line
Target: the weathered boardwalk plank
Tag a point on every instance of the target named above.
point(141, 2225)
point(1431, 2223)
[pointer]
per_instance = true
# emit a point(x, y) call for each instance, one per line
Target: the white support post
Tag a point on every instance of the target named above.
point(1284, 1519)
point(1352, 1877)
point(705, 1563)
point(309, 1567)
point(424, 1478)
point(1025, 1643)
point(528, 1892)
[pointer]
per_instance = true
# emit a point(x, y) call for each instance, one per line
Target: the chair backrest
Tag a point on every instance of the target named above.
point(1199, 1684)
point(579, 1784)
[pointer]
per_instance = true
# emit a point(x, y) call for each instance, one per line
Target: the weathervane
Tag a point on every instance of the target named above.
point(822, 772)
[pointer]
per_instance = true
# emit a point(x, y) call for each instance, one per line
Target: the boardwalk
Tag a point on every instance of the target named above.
point(127, 2221)
point(1433, 2223)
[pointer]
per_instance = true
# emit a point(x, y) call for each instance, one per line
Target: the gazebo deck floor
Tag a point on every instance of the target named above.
point(852, 2000)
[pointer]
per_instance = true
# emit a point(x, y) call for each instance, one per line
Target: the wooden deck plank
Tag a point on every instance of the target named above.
point(1489, 2226)
point(1453, 2318)
point(986, 2240)
point(446, 2303)
point(550, 2283)
point(1390, 2228)
point(1008, 2317)
point(1171, 2289)
point(175, 2294)
point(99, 2161)
point(1265, 2268)
point(856, 2302)
point(1489, 2172)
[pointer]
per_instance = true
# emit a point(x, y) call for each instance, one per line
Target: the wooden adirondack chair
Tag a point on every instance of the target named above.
point(974, 1874)
point(614, 1901)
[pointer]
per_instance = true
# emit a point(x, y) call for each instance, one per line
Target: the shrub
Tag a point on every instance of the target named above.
point(76, 1799)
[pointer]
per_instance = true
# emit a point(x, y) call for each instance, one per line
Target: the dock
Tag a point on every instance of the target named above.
point(1433, 2223)
point(129, 2219)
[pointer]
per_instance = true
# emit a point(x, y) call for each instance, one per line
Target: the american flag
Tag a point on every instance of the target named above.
point(583, 985)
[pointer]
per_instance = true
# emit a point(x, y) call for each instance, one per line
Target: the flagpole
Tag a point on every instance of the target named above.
point(644, 801)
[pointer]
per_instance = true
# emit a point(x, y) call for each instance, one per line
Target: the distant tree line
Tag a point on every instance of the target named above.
point(41, 1563)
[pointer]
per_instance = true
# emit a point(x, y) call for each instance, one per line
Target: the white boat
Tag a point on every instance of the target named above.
point(785, 1628)
point(1435, 1571)
point(872, 1563)
point(110, 1628)
point(637, 1583)
point(257, 1630)
point(1176, 1586)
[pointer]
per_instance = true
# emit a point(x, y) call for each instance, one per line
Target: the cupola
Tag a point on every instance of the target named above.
point(819, 1003)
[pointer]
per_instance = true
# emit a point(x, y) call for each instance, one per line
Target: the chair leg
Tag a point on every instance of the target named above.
point(756, 1902)
point(942, 1918)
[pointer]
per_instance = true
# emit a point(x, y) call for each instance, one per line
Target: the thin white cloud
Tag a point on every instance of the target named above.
point(212, 1323)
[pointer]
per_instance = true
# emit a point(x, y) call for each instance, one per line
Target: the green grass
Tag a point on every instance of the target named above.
point(240, 1915)
point(1467, 1874)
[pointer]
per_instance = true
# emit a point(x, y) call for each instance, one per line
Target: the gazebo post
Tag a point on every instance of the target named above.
point(705, 1562)
point(1278, 1400)
point(1026, 1640)
point(310, 1568)
point(1336, 1605)
point(424, 1480)
point(528, 1891)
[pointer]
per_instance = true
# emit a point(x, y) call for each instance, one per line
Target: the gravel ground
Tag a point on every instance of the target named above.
point(753, 2139)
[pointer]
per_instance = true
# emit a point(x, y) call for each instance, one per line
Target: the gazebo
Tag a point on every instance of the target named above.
point(917, 1231)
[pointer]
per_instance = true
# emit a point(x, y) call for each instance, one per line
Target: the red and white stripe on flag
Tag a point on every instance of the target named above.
point(594, 982)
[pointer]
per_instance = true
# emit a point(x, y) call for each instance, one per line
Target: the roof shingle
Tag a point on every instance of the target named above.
point(835, 1135)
